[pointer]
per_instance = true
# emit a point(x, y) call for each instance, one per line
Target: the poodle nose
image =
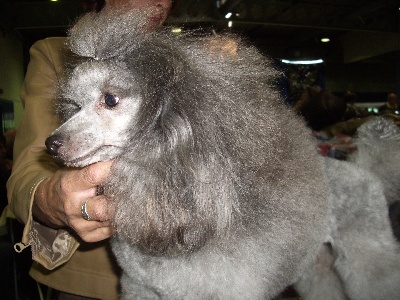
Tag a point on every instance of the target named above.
point(53, 144)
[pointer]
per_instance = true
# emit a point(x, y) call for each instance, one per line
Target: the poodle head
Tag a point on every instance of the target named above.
point(99, 104)
point(378, 129)
point(115, 90)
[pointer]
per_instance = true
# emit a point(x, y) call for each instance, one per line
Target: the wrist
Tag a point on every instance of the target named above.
point(42, 210)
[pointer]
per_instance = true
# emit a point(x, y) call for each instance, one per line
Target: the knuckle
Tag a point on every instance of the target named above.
point(70, 209)
point(64, 182)
point(90, 175)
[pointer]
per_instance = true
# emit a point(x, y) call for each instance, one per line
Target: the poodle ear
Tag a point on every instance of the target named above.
point(181, 190)
point(177, 199)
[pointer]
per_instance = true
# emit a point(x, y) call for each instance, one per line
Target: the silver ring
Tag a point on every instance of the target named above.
point(84, 212)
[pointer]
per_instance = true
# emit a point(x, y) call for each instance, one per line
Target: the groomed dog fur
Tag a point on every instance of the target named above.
point(218, 189)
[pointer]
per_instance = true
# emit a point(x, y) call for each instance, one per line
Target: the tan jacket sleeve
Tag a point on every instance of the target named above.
point(32, 164)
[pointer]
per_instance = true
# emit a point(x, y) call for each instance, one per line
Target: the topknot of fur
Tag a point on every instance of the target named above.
point(108, 33)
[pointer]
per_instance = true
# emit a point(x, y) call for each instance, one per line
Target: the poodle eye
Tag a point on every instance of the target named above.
point(111, 100)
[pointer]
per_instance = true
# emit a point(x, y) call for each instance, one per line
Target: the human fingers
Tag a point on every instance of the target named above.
point(93, 231)
point(78, 185)
point(58, 199)
point(97, 208)
point(88, 177)
point(93, 223)
point(97, 235)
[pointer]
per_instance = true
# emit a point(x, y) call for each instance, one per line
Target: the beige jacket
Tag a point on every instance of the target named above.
point(60, 261)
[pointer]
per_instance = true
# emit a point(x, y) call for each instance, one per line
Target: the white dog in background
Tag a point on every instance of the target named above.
point(218, 189)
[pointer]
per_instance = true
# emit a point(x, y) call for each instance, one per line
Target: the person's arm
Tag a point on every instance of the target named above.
point(31, 163)
point(38, 190)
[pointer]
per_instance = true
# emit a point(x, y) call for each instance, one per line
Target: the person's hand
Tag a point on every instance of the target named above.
point(59, 199)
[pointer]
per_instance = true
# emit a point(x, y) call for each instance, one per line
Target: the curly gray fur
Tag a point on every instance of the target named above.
point(205, 126)
point(217, 187)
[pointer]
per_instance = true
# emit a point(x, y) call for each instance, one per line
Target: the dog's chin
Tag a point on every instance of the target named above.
point(104, 153)
point(80, 162)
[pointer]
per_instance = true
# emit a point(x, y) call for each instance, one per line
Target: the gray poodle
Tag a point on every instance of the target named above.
point(218, 188)
point(360, 258)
